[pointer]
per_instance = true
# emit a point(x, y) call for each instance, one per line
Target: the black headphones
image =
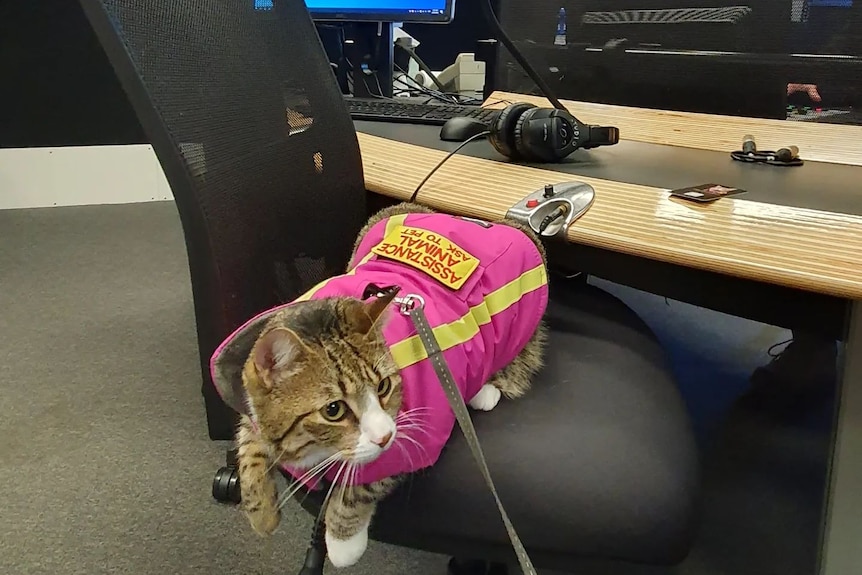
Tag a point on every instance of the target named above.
point(528, 133)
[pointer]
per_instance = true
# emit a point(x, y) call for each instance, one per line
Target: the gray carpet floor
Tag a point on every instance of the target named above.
point(106, 465)
point(104, 456)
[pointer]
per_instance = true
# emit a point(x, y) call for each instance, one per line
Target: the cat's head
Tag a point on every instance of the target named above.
point(322, 384)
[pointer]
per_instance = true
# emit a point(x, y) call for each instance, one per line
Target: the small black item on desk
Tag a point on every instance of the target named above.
point(705, 193)
point(785, 157)
point(460, 129)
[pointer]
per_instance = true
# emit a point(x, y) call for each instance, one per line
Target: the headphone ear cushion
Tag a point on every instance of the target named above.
point(503, 129)
point(521, 145)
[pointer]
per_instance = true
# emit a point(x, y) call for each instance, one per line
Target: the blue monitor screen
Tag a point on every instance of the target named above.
point(369, 9)
point(832, 3)
point(377, 6)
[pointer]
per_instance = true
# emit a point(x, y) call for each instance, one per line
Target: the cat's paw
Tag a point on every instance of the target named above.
point(264, 520)
point(487, 398)
point(346, 552)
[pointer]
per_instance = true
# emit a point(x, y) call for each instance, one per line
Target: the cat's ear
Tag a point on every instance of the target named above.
point(277, 350)
point(377, 307)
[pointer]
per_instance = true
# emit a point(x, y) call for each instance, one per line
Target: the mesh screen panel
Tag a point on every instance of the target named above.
point(244, 114)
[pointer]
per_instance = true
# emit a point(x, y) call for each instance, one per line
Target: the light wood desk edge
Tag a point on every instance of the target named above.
point(794, 247)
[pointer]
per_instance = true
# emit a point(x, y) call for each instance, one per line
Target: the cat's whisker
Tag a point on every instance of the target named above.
point(411, 427)
point(410, 416)
point(335, 481)
point(415, 409)
point(318, 469)
point(418, 445)
point(348, 482)
point(276, 460)
point(297, 486)
point(404, 452)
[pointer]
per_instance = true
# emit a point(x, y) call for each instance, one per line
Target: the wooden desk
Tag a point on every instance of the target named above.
point(808, 250)
point(794, 247)
point(818, 142)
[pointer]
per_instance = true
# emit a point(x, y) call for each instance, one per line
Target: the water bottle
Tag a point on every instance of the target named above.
point(560, 38)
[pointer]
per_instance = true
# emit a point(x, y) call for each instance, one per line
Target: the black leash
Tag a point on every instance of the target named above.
point(435, 354)
point(413, 307)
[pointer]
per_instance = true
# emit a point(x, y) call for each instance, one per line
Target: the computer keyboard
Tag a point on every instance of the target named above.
point(380, 110)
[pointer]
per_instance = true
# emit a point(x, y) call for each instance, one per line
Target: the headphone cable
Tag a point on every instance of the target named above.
point(443, 161)
point(510, 46)
point(315, 555)
point(784, 157)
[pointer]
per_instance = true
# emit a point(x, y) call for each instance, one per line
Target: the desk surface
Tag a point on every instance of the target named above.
point(815, 185)
point(790, 245)
point(821, 142)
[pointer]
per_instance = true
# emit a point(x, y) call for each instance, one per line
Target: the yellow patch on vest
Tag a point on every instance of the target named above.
point(429, 252)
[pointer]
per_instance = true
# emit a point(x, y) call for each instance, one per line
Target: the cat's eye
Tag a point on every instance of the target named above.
point(384, 387)
point(335, 411)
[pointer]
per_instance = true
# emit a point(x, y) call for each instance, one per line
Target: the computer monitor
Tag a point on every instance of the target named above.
point(413, 11)
point(831, 3)
point(422, 11)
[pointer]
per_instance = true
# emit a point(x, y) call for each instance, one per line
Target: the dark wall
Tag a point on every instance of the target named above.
point(58, 87)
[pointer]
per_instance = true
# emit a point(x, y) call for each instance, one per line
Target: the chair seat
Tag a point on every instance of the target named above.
point(597, 461)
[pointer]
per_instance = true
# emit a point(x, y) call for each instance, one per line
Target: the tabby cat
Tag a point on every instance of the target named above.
point(324, 391)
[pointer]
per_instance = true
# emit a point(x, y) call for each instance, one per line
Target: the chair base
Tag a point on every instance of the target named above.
point(226, 487)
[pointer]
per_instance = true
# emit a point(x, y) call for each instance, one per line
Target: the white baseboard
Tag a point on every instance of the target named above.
point(80, 175)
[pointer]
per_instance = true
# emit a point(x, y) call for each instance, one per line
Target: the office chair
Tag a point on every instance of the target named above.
point(596, 464)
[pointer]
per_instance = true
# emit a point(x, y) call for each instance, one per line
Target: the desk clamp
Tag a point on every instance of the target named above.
point(551, 210)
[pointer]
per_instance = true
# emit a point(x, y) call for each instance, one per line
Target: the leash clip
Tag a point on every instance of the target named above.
point(406, 303)
point(409, 302)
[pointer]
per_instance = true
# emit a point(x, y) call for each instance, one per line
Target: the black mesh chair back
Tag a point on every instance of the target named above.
point(243, 112)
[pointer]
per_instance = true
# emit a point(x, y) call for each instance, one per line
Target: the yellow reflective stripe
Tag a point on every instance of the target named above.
point(391, 224)
point(410, 350)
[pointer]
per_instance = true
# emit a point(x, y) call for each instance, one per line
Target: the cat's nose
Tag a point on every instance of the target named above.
point(384, 441)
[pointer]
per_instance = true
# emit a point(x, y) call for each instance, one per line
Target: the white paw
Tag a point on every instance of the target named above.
point(346, 552)
point(487, 398)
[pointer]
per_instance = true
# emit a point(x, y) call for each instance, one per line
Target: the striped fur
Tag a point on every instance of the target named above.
point(308, 356)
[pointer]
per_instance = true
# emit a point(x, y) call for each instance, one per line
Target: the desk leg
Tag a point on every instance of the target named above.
point(841, 546)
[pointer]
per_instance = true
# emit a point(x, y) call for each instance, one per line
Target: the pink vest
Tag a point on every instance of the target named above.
point(485, 291)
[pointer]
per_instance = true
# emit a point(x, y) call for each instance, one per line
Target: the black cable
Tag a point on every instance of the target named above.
point(771, 351)
point(507, 42)
point(432, 94)
point(424, 67)
point(443, 161)
point(315, 555)
point(558, 212)
point(428, 92)
point(448, 97)
point(379, 88)
point(784, 157)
